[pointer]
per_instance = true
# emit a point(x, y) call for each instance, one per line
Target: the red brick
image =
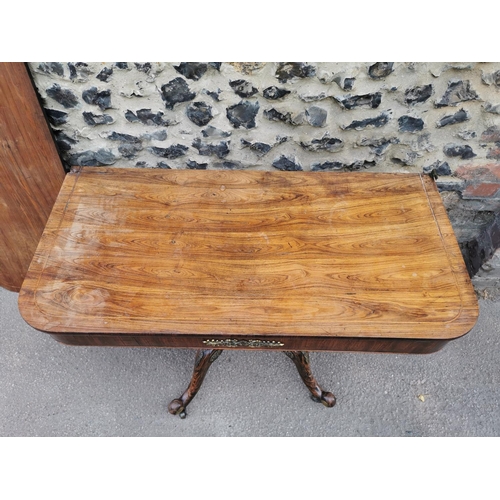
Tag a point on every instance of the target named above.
point(485, 190)
point(492, 134)
point(494, 153)
point(485, 173)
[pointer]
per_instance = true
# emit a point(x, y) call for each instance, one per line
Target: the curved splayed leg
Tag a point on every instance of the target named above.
point(204, 358)
point(301, 360)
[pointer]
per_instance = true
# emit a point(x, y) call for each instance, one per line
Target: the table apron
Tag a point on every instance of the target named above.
point(338, 344)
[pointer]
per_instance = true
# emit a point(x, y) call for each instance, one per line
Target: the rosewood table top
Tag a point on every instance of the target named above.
point(250, 259)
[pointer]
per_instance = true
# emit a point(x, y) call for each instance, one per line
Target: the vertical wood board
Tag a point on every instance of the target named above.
point(31, 173)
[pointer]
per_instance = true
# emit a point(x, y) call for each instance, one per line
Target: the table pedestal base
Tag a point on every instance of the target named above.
point(205, 357)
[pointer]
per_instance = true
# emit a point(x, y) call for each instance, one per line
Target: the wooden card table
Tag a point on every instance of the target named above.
point(213, 260)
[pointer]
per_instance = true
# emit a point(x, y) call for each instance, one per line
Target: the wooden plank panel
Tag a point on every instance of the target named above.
point(31, 173)
point(298, 254)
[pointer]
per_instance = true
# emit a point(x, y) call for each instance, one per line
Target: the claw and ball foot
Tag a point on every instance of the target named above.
point(204, 358)
point(301, 360)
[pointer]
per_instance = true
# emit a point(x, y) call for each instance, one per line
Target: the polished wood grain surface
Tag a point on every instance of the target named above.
point(31, 173)
point(189, 255)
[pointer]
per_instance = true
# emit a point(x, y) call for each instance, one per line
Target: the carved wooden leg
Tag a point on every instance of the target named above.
point(301, 360)
point(203, 360)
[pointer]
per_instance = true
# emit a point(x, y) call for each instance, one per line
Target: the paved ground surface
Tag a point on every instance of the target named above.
point(49, 389)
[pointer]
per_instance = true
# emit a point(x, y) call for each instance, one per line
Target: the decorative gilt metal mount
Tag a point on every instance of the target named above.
point(242, 343)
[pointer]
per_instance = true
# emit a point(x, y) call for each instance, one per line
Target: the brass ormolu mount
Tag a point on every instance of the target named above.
point(242, 343)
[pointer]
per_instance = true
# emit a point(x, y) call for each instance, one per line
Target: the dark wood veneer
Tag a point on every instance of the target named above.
point(350, 344)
